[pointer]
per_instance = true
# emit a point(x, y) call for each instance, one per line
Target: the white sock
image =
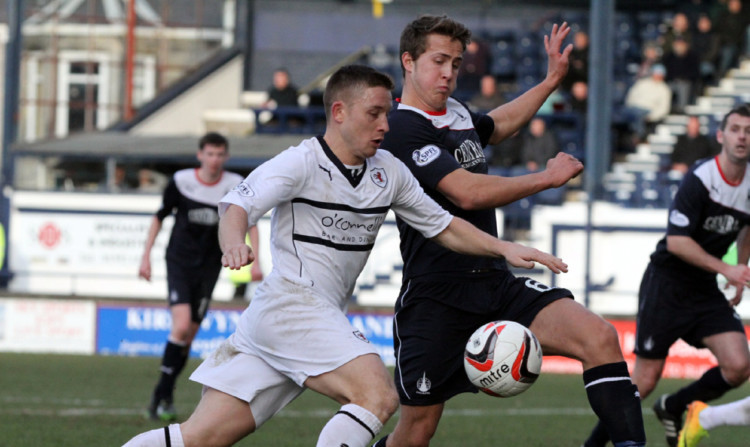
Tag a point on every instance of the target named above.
point(158, 438)
point(352, 425)
point(733, 413)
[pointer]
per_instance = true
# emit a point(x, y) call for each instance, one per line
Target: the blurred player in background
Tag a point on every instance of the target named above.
point(445, 296)
point(329, 197)
point(193, 257)
point(679, 296)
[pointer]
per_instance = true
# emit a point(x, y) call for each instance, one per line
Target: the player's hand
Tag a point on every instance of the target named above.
point(557, 62)
point(562, 168)
point(145, 269)
point(237, 256)
point(739, 277)
point(522, 256)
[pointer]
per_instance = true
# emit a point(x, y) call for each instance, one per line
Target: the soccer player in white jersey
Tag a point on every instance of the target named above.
point(193, 258)
point(329, 197)
point(679, 296)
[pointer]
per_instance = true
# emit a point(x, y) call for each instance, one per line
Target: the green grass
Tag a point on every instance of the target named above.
point(68, 400)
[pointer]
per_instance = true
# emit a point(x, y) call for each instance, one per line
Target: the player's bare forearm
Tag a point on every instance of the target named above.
point(472, 191)
point(232, 229)
point(463, 237)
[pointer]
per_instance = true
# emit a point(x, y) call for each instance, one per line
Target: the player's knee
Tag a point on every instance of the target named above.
point(381, 401)
point(737, 371)
point(603, 342)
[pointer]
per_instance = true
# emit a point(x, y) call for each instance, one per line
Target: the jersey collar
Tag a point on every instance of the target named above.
point(354, 180)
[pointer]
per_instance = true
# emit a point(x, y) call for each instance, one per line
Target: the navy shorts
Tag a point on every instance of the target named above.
point(435, 317)
point(192, 286)
point(670, 309)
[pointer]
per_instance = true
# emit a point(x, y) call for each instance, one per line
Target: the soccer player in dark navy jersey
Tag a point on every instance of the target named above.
point(446, 296)
point(679, 295)
point(193, 257)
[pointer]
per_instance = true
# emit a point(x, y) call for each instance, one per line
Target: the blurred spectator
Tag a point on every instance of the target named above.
point(151, 181)
point(579, 61)
point(648, 102)
point(539, 145)
point(691, 147)
point(733, 23)
point(282, 92)
point(579, 97)
point(650, 57)
point(475, 64)
point(488, 97)
point(120, 181)
point(706, 44)
point(683, 73)
point(507, 153)
point(680, 28)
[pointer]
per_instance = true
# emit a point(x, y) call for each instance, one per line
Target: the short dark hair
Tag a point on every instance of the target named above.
point(214, 139)
point(741, 110)
point(350, 77)
point(414, 36)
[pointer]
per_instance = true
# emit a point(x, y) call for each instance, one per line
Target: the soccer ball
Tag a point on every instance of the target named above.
point(503, 358)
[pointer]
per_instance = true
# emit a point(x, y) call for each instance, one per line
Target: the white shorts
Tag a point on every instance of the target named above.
point(282, 339)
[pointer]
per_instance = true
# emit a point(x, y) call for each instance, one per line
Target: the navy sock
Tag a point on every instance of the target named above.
point(710, 386)
point(172, 362)
point(616, 401)
point(598, 437)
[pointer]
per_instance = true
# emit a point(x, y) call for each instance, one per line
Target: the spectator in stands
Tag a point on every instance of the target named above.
point(651, 56)
point(680, 28)
point(579, 97)
point(488, 97)
point(648, 102)
point(150, 180)
point(539, 145)
point(706, 44)
point(507, 153)
point(282, 92)
point(193, 258)
point(683, 73)
point(691, 147)
point(476, 64)
point(579, 61)
point(731, 32)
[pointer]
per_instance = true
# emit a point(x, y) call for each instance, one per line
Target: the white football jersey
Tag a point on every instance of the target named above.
point(325, 217)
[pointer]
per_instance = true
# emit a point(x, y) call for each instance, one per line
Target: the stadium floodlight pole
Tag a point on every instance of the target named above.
point(598, 117)
point(10, 122)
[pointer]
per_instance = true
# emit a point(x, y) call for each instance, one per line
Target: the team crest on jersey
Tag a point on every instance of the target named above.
point(678, 219)
point(361, 336)
point(378, 177)
point(426, 155)
point(244, 189)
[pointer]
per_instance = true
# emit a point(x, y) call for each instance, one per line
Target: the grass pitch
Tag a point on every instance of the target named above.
point(69, 400)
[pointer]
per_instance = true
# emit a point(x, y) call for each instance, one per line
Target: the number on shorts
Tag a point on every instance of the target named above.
point(536, 285)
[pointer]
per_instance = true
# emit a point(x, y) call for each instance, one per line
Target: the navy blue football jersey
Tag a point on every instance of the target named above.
point(432, 145)
point(711, 211)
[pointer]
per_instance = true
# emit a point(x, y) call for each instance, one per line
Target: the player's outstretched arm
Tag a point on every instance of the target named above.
point(463, 237)
point(232, 230)
point(511, 116)
point(471, 191)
